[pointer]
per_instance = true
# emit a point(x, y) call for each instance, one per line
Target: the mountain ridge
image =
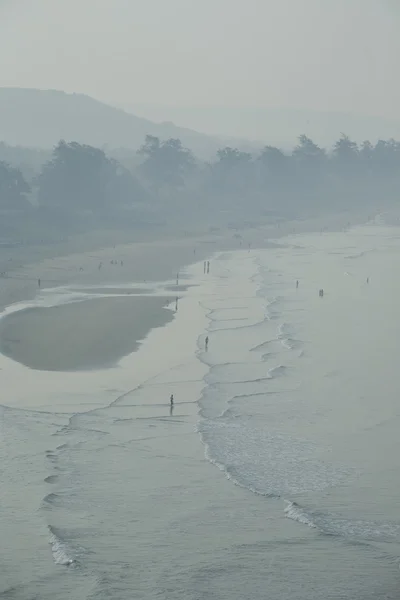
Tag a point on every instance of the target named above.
point(40, 118)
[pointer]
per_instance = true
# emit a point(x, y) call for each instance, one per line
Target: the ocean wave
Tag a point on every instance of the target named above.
point(359, 254)
point(60, 551)
point(51, 499)
point(261, 346)
point(289, 343)
point(269, 464)
point(51, 479)
point(335, 525)
point(284, 329)
point(277, 371)
point(295, 512)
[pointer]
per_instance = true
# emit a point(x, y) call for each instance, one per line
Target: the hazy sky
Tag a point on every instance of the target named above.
point(321, 54)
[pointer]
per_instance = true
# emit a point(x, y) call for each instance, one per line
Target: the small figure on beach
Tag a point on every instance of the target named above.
point(205, 265)
point(171, 400)
point(176, 304)
point(208, 266)
point(321, 293)
point(206, 343)
point(38, 282)
point(367, 279)
point(297, 283)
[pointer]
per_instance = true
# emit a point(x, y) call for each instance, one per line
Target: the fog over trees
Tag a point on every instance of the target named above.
point(81, 186)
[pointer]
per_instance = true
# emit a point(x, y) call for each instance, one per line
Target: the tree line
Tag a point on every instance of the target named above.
point(79, 178)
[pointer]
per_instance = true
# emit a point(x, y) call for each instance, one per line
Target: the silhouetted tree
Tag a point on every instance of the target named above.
point(166, 163)
point(13, 188)
point(275, 166)
point(366, 154)
point(309, 156)
point(82, 177)
point(386, 156)
point(345, 152)
point(232, 172)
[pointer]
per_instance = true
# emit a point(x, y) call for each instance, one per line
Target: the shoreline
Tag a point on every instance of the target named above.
point(83, 335)
point(126, 484)
point(144, 260)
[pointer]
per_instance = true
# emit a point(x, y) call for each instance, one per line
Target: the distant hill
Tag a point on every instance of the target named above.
point(280, 126)
point(40, 118)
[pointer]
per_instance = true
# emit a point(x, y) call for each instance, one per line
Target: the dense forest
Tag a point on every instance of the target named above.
point(81, 184)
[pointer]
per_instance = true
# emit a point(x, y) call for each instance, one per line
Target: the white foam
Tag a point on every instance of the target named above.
point(60, 552)
point(293, 511)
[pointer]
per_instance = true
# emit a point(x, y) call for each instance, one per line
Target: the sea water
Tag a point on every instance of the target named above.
point(275, 475)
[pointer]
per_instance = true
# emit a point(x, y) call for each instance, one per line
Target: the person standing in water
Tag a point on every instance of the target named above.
point(206, 344)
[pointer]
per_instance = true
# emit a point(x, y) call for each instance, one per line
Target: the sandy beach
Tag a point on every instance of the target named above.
point(53, 339)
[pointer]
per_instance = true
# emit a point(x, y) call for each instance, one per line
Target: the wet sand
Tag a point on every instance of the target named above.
point(97, 333)
point(77, 261)
point(81, 335)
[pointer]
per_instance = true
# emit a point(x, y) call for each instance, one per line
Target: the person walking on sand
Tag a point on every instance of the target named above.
point(206, 344)
point(171, 400)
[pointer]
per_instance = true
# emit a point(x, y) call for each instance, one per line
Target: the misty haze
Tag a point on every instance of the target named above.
point(199, 220)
